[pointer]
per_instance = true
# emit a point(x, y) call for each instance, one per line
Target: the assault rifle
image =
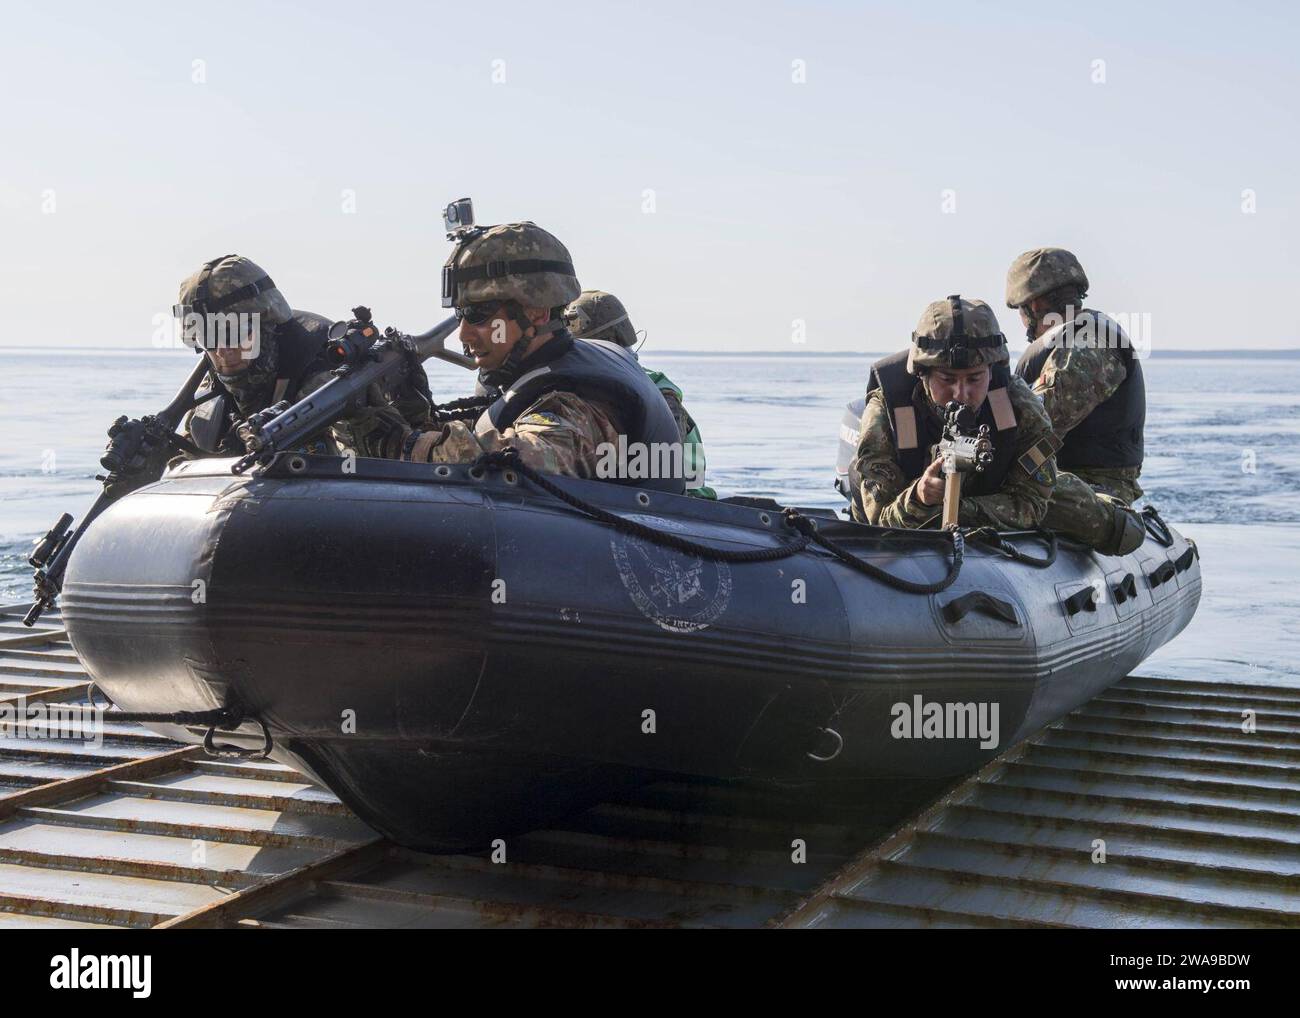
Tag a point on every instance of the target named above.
point(363, 359)
point(964, 448)
point(138, 450)
point(137, 454)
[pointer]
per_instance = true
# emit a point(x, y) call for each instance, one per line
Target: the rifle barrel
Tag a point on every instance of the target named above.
point(434, 344)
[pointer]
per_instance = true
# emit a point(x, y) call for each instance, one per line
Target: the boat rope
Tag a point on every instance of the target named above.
point(224, 718)
point(989, 536)
point(466, 409)
point(1156, 526)
point(508, 458)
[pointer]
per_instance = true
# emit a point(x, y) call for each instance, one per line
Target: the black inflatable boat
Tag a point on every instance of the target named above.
point(460, 655)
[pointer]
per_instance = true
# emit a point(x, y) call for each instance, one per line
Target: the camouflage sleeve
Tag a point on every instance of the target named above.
point(558, 434)
point(1021, 502)
point(885, 496)
point(1074, 381)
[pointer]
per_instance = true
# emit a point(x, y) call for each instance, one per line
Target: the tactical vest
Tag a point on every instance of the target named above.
point(300, 353)
point(603, 372)
point(916, 433)
point(1110, 436)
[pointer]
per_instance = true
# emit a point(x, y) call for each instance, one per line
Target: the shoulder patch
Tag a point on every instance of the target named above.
point(542, 417)
point(1037, 460)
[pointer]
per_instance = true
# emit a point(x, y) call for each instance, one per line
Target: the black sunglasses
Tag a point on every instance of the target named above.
point(477, 314)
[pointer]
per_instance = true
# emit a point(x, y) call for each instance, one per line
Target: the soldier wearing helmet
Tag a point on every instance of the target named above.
point(261, 351)
point(957, 353)
point(563, 403)
point(600, 315)
point(1082, 365)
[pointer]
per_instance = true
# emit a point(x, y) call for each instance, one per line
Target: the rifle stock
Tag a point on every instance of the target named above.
point(951, 495)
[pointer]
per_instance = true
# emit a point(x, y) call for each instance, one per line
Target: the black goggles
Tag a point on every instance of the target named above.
point(477, 314)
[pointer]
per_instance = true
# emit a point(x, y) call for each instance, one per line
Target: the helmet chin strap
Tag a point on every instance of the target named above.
point(509, 369)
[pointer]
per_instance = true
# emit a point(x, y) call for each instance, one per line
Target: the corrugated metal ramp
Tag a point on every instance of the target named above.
point(118, 826)
point(669, 854)
point(1199, 819)
point(140, 831)
point(1200, 822)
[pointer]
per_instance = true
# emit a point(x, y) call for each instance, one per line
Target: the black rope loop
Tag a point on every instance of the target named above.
point(805, 527)
point(1156, 526)
point(223, 718)
point(509, 458)
point(899, 582)
point(217, 717)
point(990, 537)
point(468, 408)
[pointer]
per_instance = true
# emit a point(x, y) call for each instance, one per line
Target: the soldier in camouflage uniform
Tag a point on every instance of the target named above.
point(1082, 365)
point(261, 351)
point(562, 402)
point(600, 315)
point(958, 353)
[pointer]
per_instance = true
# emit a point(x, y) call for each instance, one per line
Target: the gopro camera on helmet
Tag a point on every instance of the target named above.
point(458, 218)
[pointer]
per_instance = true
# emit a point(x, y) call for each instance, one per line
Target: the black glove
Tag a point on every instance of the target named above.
point(412, 397)
point(136, 453)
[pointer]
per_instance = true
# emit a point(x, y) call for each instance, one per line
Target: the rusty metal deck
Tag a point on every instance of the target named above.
point(1200, 823)
point(671, 854)
point(133, 829)
point(1199, 820)
point(144, 832)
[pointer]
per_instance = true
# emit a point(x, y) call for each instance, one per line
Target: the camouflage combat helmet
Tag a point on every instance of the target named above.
point(232, 284)
point(1040, 271)
point(518, 262)
point(600, 315)
point(956, 333)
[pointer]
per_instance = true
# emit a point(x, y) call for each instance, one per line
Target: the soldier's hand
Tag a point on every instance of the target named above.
point(410, 398)
point(376, 428)
point(135, 446)
point(929, 489)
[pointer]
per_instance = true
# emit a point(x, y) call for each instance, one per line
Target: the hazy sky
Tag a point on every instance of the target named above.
point(670, 146)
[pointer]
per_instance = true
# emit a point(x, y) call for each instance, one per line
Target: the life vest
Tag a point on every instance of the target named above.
point(915, 434)
point(1110, 436)
point(692, 441)
point(603, 372)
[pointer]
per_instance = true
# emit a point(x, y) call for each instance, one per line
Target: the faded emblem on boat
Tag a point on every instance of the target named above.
point(678, 592)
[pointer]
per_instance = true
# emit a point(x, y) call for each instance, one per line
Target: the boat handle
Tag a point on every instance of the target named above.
point(1125, 589)
point(1163, 573)
point(1084, 600)
point(229, 752)
point(837, 744)
point(977, 600)
point(1184, 561)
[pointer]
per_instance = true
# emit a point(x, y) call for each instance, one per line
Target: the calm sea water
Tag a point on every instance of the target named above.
point(1223, 464)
